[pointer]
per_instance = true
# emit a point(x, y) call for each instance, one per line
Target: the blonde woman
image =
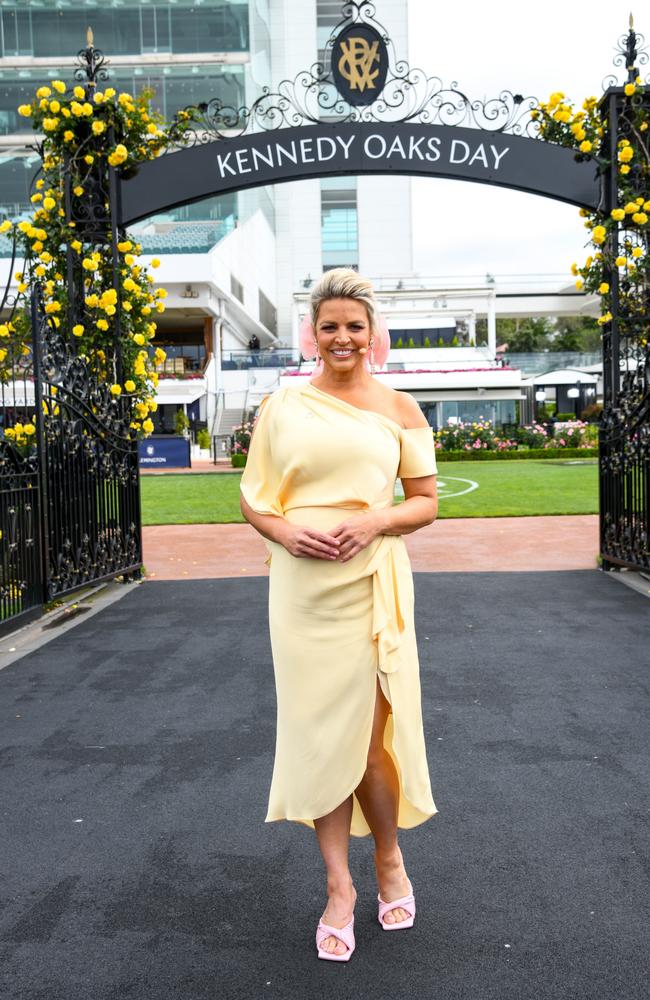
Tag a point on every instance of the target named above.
point(350, 756)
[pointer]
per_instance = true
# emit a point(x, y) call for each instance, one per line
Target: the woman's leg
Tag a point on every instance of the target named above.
point(378, 795)
point(333, 834)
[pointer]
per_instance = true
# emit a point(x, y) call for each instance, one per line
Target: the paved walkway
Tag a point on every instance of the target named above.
point(136, 753)
point(481, 544)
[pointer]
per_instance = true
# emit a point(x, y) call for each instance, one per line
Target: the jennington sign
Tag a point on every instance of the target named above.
point(359, 148)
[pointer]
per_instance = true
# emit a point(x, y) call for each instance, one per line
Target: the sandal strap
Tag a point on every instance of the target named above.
point(406, 902)
point(344, 934)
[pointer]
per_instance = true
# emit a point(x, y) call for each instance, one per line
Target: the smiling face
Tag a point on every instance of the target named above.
point(342, 329)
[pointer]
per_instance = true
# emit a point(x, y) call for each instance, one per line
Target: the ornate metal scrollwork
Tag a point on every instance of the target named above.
point(409, 95)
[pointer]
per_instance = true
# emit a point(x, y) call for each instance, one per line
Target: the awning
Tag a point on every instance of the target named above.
point(189, 396)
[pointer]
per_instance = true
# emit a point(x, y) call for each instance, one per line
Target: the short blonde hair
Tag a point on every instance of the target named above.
point(343, 283)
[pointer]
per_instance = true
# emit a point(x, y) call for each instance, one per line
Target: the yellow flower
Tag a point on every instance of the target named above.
point(98, 98)
point(89, 264)
point(79, 92)
point(637, 252)
point(49, 203)
point(116, 389)
point(138, 339)
point(130, 285)
point(618, 214)
point(39, 270)
point(92, 301)
point(155, 262)
point(129, 385)
point(55, 107)
point(25, 110)
point(579, 284)
point(599, 233)
point(603, 288)
point(161, 293)
point(49, 124)
point(586, 146)
point(76, 245)
point(22, 287)
point(5, 226)
point(640, 218)
point(147, 425)
point(102, 324)
point(59, 86)
point(78, 330)
point(574, 269)
point(76, 108)
point(78, 190)
point(620, 261)
point(630, 207)
point(127, 306)
point(624, 169)
point(99, 127)
point(52, 307)
point(36, 197)
point(629, 89)
point(43, 92)
point(604, 319)
point(125, 246)
point(87, 108)
point(625, 154)
point(68, 135)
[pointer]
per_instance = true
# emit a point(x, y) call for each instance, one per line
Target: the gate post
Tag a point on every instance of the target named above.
point(37, 317)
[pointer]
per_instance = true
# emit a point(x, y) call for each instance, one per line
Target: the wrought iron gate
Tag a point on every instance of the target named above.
point(624, 481)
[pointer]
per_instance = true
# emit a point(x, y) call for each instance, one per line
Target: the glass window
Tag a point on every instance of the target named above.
point(339, 228)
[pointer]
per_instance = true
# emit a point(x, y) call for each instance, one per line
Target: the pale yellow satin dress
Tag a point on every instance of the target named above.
point(336, 626)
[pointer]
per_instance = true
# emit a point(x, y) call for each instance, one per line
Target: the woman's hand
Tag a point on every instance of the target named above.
point(356, 533)
point(302, 541)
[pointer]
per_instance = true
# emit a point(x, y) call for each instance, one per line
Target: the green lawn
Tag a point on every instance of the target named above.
point(567, 486)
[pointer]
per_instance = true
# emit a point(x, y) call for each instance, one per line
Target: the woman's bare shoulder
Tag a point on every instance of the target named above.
point(403, 408)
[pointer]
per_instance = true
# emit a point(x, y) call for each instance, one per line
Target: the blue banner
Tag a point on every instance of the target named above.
point(164, 453)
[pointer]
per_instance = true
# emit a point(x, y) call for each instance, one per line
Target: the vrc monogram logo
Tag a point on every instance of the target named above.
point(356, 62)
point(359, 64)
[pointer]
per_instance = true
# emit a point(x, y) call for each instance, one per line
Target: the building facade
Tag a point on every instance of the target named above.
point(238, 268)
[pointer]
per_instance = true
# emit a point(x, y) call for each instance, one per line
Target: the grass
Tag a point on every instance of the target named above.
point(504, 489)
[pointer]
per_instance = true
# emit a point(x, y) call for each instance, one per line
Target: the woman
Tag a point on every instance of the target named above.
point(318, 485)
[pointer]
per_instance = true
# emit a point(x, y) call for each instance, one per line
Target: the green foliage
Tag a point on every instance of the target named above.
point(181, 422)
point(203, 438)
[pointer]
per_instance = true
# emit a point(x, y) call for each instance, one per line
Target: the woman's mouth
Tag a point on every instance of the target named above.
point(342, 352)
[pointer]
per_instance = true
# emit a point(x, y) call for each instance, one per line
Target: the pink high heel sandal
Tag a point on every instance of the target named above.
point(407, 902)
point(344, 934)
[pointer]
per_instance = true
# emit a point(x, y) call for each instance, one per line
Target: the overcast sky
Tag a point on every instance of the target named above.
point(532, 49)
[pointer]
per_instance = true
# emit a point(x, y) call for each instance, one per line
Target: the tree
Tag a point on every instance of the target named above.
point(577, 333)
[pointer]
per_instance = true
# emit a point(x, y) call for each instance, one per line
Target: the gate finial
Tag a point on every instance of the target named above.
point(90, 38)
point(631, 53)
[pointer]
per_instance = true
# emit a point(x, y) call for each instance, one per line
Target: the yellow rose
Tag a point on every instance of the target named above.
point(640, 218)
point(579, 284)
point(49, 124)
point(116, 389)
point(102, 324)
point(624, 169)
point(138, 339)
point(620, 261)
point(629, 89)
point(79, 92)
point(43, 92)
point(78, 330)
point(586, 146)
point(59, 86)
point(89, 264)
point(99, 127)
point(618, 214)
point(155, 262)
point(77, 109)
point(129, 385)
point(604, 319)
point(599, 233)
point(68, 135)
point(125, 246)
point(5, 226)
point(109, 92)
point(89, 158)
point(25, 110)
point(637, 252)
point(603, 288)
point(78, 190)
point(625, 154)
point(147, 425)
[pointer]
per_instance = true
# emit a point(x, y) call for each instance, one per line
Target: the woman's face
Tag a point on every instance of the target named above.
point(342, 329)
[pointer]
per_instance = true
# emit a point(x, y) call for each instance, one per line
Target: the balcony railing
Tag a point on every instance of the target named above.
point(243, 360)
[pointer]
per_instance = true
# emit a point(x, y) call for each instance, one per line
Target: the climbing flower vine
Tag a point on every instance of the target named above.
point(84, 131)
point(618, 240)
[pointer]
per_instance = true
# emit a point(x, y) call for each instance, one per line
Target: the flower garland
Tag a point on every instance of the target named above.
point(619, 240)
point(84, 132)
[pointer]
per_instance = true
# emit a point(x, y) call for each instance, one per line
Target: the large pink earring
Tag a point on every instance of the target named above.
point(372, 358)
point(318, 357)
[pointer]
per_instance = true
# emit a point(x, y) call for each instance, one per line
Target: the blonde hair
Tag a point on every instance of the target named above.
point(343, 283)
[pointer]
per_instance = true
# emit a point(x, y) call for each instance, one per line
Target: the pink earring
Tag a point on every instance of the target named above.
point(318, 357)
point(372, 358)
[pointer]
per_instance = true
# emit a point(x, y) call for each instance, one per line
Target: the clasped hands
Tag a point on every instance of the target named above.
point(342, 542)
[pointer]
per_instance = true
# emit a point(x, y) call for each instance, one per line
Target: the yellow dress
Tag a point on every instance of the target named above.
point(335, 626)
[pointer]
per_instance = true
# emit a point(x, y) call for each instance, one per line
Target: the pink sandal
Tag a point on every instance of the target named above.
point(407, 902)
point(344, 934)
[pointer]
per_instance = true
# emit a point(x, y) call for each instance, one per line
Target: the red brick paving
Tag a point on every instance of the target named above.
point(476, 544)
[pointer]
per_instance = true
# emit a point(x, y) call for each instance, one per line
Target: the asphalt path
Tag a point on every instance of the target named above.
point(135, 759)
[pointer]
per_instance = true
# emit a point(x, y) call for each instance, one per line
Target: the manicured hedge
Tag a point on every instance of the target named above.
point(484, 455)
